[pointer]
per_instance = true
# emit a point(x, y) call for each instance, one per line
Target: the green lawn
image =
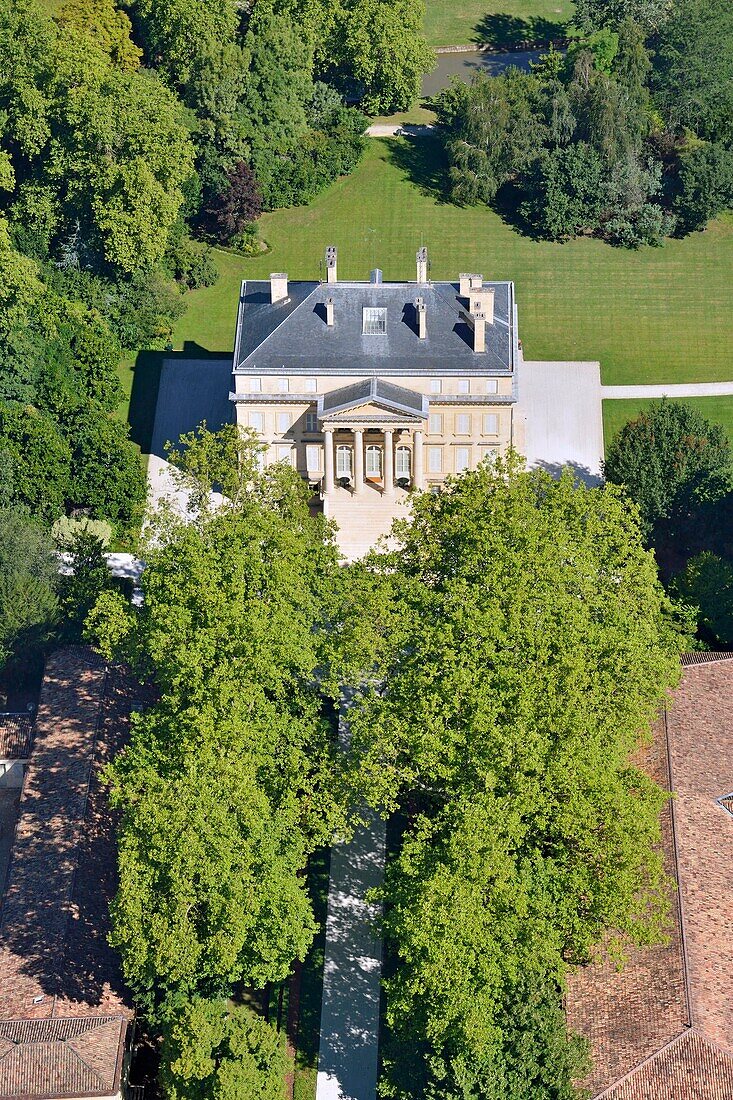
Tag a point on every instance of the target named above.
point(657, 315)
point(499, 22)
point(719, 410)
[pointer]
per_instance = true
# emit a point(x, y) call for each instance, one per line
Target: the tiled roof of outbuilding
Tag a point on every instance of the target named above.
point(63, 1008)
point(662, 1028)
point(16, 736)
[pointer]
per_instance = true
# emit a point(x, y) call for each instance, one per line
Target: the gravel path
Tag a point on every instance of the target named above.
point(685, 389)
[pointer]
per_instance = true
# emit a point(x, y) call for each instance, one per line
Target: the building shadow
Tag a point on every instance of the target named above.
point(583, 475)
point(145, 398)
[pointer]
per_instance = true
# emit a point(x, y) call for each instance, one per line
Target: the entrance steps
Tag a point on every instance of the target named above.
point(364, 518)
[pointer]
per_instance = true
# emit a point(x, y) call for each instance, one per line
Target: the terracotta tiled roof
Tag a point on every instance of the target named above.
point(662, 1028)
point(56, 967)
point(60, 1058)
point(704, 657)
point(16, 736)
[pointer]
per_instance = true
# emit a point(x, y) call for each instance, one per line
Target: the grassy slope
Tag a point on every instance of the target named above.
point(719, 410)
point(501, 22)
point(657, 315)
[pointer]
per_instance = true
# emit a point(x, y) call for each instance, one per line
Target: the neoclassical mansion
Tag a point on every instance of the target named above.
point(372, 388)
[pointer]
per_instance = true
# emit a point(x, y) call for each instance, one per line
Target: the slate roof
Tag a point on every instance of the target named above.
point(16, 736)
point(292, 335)
point(662, 1028)
point(63, 1008)
point(374, 389)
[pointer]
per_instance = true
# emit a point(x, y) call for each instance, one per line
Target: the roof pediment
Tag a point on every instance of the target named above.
point(373, 397)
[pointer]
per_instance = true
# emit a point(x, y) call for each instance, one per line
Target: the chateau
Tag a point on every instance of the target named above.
point(372, 388)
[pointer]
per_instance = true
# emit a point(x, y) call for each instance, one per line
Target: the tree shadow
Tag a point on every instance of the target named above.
point(423, 161)
point(509, 32)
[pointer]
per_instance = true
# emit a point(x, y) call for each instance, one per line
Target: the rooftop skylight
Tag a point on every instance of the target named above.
point(374, 321)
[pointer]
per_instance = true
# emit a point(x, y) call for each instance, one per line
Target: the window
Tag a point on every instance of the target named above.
point(402, 462)
point(343, 461)
point(492, 385)
point(374, 321)
point(310, 385)
point(255, 385)
point(489, 452)
point(463, 424)
point(436, 385)
point(435, 460)
point(435, 424)
point(257, 421)
point(283, 423)
point(313, 458)
point(373, 461)
point(464, 386)
point(284, 454)
point(283, 385)
point(491, 423)
point(462, 459)
point(311, 422)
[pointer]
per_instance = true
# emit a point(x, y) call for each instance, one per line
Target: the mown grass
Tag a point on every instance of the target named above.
point(502, 23)
point(719, 410)
point(656, 315)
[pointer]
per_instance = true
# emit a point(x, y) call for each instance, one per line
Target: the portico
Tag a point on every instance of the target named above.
point(373, 435)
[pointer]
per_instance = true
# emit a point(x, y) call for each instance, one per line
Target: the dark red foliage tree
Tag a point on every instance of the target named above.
point(237, 203)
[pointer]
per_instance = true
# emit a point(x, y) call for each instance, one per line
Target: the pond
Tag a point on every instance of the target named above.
point(465, 64)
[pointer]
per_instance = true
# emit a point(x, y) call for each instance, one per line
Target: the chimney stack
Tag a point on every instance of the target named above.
point(479, 332)
point(278, 286)
point(331, 270)
point(329, 312)
point(469, 282)
point(481, 300)
point(421, 258)
point(422, 319)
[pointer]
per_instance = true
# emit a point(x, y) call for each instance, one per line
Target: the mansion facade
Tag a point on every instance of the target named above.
point(372, 388)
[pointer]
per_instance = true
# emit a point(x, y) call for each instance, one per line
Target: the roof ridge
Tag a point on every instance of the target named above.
point(711, 1042)
point(644, 1062)
point(69, 1042)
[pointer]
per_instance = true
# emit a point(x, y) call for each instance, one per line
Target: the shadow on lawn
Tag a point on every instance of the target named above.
point(508, 32)
point(423, 161)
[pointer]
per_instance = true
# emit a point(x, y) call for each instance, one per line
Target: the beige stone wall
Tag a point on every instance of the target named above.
point(456, 436)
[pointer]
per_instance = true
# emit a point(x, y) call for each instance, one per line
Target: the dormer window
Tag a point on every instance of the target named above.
point(374, 321)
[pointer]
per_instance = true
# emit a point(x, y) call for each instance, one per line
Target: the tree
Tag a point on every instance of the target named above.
point(705, 184)
point(87, 578)
point(28, 578)
point(106, 25)
point(238, 203)
point(671, 460)
point(693, 68)
point(108, 476)
point(534, 647)
point(567, 191)
point(179, 34)
point(380, 53)
point(215, 1051)
point(38, 460)
point(706, 582)
point(649, 14)
point(232, 779)
point(492, 132)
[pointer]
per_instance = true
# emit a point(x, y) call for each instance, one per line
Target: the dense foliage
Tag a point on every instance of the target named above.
point(627, 137)
point(231, 780)
point(499, 736)
point(28, 581)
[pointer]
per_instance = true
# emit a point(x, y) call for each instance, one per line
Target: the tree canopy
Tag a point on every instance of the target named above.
point(497, 733)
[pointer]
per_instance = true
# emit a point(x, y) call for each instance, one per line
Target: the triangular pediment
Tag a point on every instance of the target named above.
point(373, 397)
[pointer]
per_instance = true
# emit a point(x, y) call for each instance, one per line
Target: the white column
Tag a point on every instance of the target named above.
point(388, 464)
point(418, 477)
point(358, 460)
point(328, 460)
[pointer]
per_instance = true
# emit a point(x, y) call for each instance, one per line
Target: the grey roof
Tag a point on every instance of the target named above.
point(374, 389)
point(292, 336)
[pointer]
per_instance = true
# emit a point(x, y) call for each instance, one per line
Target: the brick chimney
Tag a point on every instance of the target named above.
point(422, 318)
point(331, 269)
point(421, 258)
point(329, 312)
point(278, 286)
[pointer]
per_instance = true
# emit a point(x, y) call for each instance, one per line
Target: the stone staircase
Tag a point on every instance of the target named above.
point(363, 519)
